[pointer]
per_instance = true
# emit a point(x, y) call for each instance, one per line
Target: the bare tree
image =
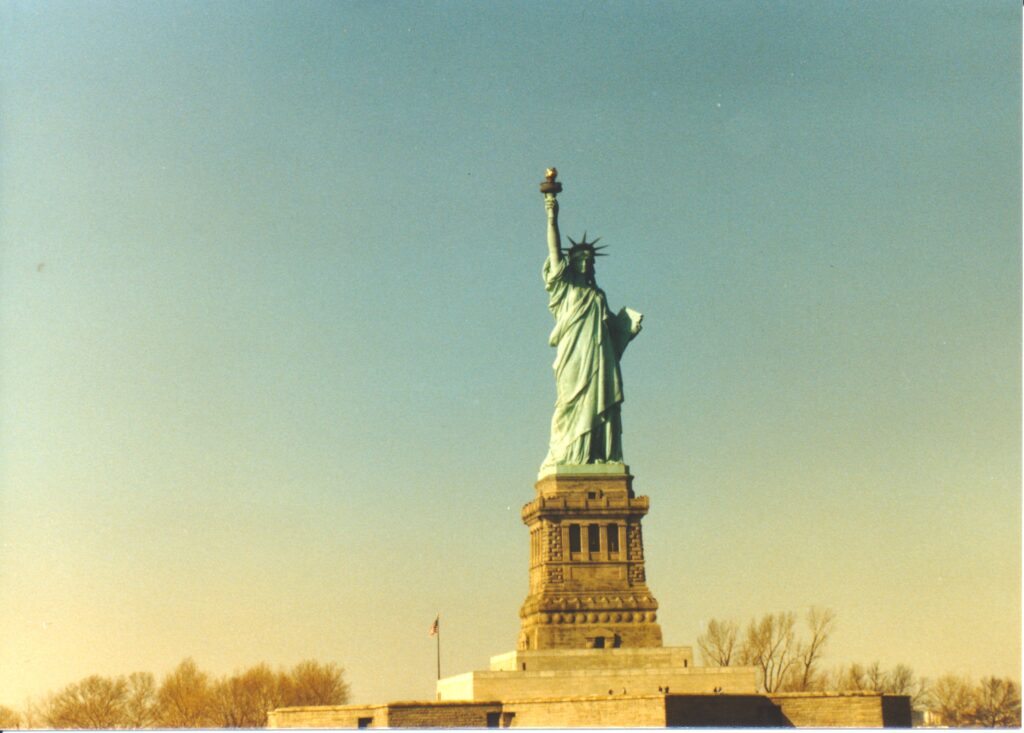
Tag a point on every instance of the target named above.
point(953, 700)
point(9, 719)
point(820, 622)
point(95, 702)
point(851, 678)
point(243, 700)
point(140, 705)
point(921, 697)
point(769, 645)
point(32, 714)
point(876, 677)
point(184, 698)
point(718, 643)
point(997, 704)
point(900, 681)
point(313, 683)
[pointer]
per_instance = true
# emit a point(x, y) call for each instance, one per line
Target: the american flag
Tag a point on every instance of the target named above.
point(435, 627)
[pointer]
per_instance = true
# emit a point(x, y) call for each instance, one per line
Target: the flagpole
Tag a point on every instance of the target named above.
point(439, 648)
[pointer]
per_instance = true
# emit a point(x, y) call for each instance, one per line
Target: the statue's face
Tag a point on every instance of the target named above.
point(583, 263)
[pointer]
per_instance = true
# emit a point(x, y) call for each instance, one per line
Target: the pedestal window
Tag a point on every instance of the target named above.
point(612, 532)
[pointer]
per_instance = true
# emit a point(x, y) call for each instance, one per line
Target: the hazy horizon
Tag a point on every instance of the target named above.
point(274, 373)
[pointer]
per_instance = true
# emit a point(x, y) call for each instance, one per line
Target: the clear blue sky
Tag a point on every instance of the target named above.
point(274, 379)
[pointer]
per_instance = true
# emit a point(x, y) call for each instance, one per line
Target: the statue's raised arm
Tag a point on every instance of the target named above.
point(586, 427)
point(554, 238)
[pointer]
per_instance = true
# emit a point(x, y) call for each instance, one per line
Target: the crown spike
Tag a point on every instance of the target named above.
point(584, 246)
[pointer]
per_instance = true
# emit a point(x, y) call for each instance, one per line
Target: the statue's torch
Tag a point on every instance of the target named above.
point(549, 185)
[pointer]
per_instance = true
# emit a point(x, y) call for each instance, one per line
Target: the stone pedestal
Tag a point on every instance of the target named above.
point(588, 589)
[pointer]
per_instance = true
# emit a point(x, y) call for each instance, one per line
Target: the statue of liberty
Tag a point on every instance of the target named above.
point(587, 425)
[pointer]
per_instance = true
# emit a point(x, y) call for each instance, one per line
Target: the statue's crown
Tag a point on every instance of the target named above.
point(583, 245)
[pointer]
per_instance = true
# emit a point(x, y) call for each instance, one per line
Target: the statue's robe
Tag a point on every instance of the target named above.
point(586, 426)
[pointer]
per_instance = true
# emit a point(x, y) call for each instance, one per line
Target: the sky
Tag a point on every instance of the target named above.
point(274, 373)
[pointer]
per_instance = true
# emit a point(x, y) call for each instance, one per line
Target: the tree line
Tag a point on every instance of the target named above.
point(187, 697)
point(788, 658)
point(786, 654)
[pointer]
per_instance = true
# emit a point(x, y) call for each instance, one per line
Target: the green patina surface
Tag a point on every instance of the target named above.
point(586, 427)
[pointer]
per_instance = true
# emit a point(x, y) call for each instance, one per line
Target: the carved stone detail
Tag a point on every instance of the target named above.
point(553, 532)
point(636, 543)
point(593, 591)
